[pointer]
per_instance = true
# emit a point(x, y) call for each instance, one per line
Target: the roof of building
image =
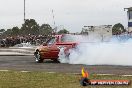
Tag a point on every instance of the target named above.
point(130, 8)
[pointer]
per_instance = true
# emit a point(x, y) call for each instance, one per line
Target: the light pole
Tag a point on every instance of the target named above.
point(53, 17)
point(24, 11)
point(55, 28)
point(24, 27)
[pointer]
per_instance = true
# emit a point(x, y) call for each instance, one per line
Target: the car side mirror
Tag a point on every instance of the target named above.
point(44, 44)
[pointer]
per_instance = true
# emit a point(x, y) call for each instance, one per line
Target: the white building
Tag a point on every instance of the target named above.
point(99, 33)
point(129, 15)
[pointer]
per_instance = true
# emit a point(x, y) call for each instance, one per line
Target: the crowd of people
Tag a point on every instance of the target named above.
point(14, 40)
point(39, 39)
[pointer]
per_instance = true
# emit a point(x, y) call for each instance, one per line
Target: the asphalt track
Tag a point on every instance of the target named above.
point(27, 63)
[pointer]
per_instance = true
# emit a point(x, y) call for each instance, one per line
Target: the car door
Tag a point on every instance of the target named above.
point(52, 48)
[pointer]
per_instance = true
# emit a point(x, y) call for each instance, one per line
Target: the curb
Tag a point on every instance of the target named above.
point(16, 54)
point(71, 73)
point(18, 51)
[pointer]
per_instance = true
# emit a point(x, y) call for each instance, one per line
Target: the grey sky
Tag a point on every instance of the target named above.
point(72, 14)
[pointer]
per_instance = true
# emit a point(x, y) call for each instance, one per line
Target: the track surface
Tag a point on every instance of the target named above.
point(27, 63)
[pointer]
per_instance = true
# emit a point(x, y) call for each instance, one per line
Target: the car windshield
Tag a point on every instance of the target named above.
point(68, 38)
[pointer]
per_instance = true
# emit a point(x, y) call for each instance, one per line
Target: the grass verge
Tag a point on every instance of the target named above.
point(14, 79)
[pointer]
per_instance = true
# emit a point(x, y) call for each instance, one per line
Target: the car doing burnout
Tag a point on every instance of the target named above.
point(51, 48)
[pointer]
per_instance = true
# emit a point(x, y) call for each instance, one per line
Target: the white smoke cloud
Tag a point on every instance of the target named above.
point(102, 53)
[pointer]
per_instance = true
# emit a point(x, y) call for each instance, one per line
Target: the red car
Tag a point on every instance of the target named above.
point(50, 49)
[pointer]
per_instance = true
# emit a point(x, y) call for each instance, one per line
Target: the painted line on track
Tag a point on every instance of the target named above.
point(25, 71)
point(105, 74)
point(51, 72)
point(4, 70)
point(127, 75)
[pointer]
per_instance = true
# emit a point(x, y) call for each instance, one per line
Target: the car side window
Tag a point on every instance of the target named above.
point(63, 39)
point(51, 41)
point(67, 38)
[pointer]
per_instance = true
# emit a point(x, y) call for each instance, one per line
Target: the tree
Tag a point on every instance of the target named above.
point(64, 31)
point(45, 29)
point(2, 30)
point(12, 32)
point(8, 32)
point(15, 31)
point(30, 27)
point(118, 29)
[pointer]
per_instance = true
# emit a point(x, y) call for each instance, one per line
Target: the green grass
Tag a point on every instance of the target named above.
point(14, 79)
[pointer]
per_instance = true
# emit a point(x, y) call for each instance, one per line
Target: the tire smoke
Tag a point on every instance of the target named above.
point(114, 52)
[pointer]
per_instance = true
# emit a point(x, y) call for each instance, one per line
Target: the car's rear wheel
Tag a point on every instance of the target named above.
point(38, 58)
point(56, 60)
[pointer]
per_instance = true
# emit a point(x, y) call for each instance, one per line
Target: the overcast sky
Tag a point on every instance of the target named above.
point(70, 14)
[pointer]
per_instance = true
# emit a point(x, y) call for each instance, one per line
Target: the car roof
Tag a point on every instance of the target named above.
point(58, 35)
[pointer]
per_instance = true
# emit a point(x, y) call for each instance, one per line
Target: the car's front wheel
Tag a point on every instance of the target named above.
point(38, 58)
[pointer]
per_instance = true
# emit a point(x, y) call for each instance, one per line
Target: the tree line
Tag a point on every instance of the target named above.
point(31, 27)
